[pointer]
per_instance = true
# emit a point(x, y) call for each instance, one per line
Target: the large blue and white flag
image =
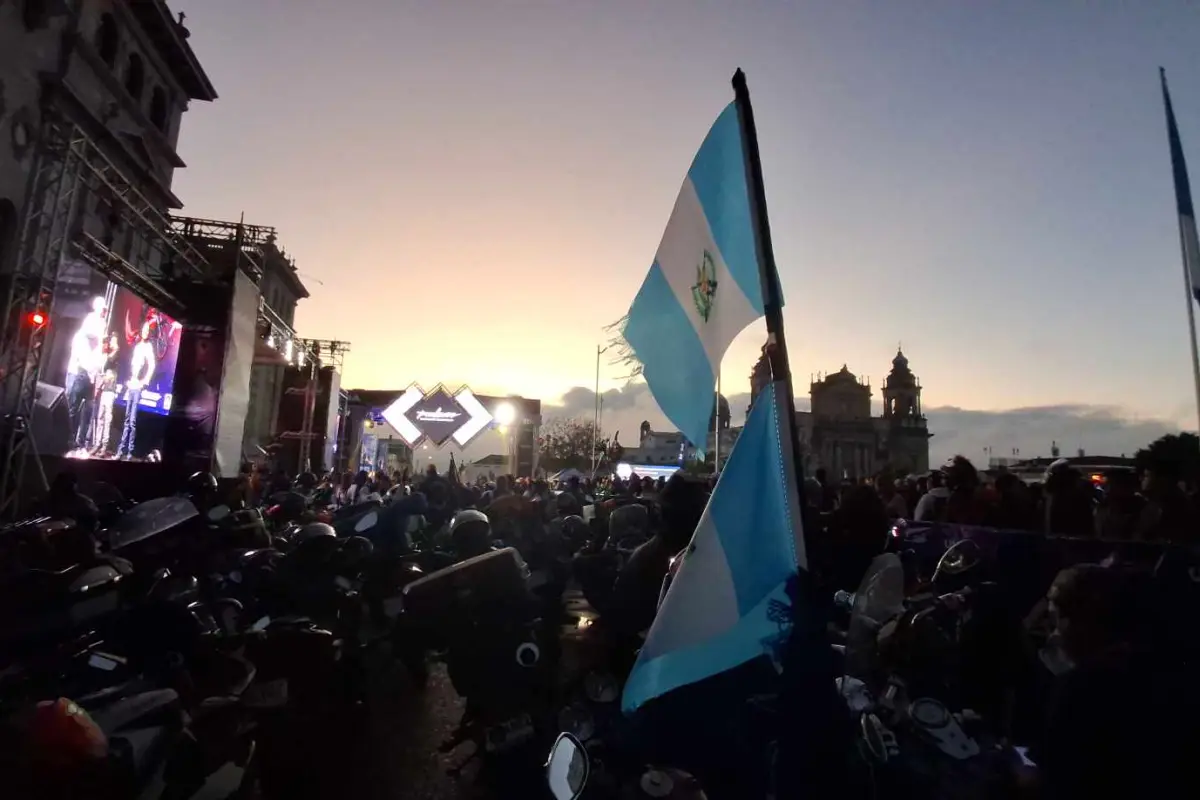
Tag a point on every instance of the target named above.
point(728, 603)
point(704, 286)
point(1183, 198)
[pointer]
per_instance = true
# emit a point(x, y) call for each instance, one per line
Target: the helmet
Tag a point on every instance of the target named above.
point(314, 530)
point(356, 548)
point(630, 520)
point(567, 503)
point(470, 532)
point(306, 482)
point(1057, 467)
point(575, 529)
point(202, 483)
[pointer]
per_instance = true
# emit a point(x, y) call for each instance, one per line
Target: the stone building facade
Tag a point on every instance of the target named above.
point(120, 69)
point(839, 433)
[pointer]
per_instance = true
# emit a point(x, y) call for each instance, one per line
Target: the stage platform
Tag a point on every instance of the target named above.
point(135, 480)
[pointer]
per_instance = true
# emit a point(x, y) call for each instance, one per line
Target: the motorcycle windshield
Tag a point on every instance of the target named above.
point(150, 519)
point(879, 598)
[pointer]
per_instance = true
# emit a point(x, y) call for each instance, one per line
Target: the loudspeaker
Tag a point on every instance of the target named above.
point(48, 396)
point(291, 415)
point(51, 422)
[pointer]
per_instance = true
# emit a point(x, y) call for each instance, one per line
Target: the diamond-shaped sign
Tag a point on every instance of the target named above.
point(437, 416)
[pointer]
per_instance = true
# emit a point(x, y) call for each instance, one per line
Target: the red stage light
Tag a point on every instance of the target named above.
point(37, 319)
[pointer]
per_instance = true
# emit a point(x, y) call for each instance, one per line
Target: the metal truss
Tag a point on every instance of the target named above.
point(329, 352)
point(217, 235)
point(322, 353)
point(68, 167)
point(45, 232)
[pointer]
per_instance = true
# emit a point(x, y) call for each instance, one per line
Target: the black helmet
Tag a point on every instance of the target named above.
point(314, 530)
point(470, 532)
point(357, 548)
point(575, 529)
point(567, 504)
point(202, 483)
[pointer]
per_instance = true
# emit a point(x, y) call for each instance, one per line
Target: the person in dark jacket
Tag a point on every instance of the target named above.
point(634, 600)
point(1122, 720)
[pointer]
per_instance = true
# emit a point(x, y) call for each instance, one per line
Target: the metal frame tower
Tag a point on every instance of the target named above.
point(319, 353)
point(68, 167)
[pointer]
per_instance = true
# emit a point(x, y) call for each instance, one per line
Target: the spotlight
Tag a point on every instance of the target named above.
point(505, 414)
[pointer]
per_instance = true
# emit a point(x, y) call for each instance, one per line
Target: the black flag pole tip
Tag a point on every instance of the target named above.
point(739, 80)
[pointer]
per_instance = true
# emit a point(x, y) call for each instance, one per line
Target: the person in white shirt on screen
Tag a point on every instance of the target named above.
point(83, 367)
point(141, 372)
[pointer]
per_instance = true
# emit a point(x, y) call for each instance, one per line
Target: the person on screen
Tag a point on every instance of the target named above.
point(102, 427)
point(141, 371)
point(101, 379)
point(83, 367)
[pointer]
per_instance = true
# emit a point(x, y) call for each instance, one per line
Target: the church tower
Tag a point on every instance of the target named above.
point(760, 377)
point(901, 392)
point(907, 430)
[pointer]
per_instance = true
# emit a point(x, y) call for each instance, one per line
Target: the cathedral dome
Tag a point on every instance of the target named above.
point(901, 375)
point(844, 375)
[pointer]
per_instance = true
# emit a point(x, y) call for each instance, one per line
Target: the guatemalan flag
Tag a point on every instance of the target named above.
point(703, 288)
point(1183, 198)
point(728, 604)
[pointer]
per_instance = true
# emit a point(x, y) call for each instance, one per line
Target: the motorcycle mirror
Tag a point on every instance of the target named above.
point(218, 513)
point(366, 522)
point(567, 769)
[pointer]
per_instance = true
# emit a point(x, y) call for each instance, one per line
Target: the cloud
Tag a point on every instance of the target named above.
point(1098, 430)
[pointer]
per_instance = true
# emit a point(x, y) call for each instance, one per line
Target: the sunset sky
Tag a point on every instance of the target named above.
point(473, 189)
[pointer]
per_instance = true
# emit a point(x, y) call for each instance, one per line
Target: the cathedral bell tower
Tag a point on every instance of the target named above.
point(901, 393)
point(908, 433)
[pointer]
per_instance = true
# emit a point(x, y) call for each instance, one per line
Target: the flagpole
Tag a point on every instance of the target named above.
point(596, 409)
point(1188, 296)
point(717, 427)
point(810, 754)
point(1183, 194)
point(769, 274)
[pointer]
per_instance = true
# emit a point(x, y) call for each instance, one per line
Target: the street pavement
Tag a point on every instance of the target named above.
point(396, 757)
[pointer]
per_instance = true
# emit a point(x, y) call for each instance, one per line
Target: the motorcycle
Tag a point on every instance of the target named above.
point(571, 774)
point(909, 740)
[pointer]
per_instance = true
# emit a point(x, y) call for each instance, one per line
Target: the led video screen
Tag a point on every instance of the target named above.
point(107, 370)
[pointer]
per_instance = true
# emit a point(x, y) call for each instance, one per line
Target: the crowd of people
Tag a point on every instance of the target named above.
point(1108, 634)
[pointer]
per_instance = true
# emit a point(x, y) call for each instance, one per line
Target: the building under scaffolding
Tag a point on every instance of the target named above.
point(93, 97)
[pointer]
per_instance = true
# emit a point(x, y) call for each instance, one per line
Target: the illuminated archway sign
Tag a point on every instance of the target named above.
point(437, 416)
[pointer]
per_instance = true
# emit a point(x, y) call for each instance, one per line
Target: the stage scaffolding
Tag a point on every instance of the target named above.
point(215, 237)
point(69, 169)
point(320, 353)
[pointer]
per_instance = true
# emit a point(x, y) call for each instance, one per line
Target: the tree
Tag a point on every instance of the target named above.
point(1176, 455)
point(566, 443)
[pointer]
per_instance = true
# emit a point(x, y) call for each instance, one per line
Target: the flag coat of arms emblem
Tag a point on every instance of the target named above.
point(705, 290)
